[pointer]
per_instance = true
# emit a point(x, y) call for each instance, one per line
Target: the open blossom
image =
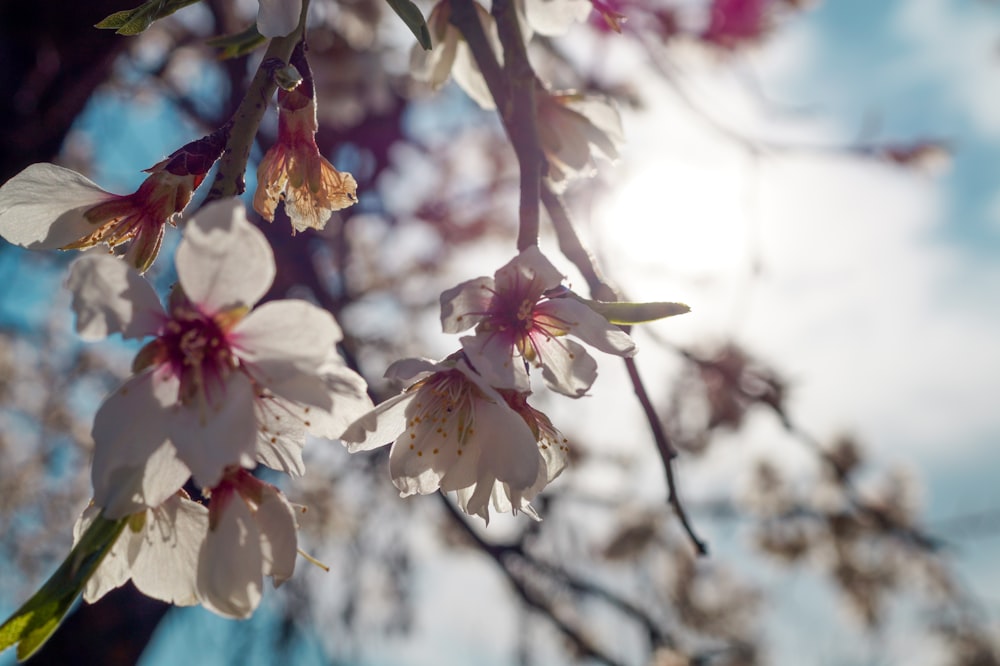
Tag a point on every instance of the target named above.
point(450, 55)
point(47, 207)
point(573, 129)
point(293, 168)
point(518, 324)
point(219, 382)
point(452, 431)
point(157, 550)
point(252, 533)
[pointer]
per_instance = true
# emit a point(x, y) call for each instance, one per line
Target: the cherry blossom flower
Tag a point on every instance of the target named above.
point(277, 18)
point(517, 324)
point(252, 533)
point(452, 431)
point(293, 169)
point(450, 55)
point(219, 382)
point(573, 128)
point(47, 207)
point(157, 550)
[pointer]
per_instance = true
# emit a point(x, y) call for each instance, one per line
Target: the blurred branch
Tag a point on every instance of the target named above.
point(499, 554)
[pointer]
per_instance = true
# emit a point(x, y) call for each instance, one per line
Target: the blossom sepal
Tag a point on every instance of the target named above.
point(38, 618)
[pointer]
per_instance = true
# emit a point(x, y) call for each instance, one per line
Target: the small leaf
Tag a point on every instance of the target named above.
point(625, 313)
point(414, 20)
point(242, 43)
point(38, 618)
point(116, 20)
point(134, 21)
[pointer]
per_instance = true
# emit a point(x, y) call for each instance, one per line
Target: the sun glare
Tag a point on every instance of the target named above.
point(684, 222)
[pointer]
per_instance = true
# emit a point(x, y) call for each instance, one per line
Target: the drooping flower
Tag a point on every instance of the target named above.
point(205, 385)
point(517, 324)
point(252, 533)
point(450, 55)
point(47, 207)
point(574, 128)
point(451, 431)
point(293, 169)
point(157, 550)
point(277, 18)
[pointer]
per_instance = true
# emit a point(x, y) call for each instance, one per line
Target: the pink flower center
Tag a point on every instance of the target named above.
point(197, 350)
point(517, 314)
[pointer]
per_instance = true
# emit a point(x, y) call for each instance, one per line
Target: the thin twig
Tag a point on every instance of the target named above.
point(571, 246)
point(498, 553)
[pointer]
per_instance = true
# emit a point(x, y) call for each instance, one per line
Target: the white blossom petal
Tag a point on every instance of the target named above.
point(410, 370)
point(567, 367)
point(464, 306)
point(508, 451)
point(109, 296)
point(211, 437)
point(389, 423)
point(589, 326)
point(493, 357)
point(230, 563)
point(530, 264)
point(278, 535)
point(281, 435)
point(166, 566)
point(277, 18)
point(224, 261)
point(42, 208)
point(350, 400)
point(282, 339)
point(130, 428)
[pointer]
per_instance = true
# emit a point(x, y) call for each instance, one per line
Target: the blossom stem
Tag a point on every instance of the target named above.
point(513, 89)
point(520, 119)
point(229, 180)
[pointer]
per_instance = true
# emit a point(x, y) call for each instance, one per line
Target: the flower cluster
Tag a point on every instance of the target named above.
point(464, 424)
point(224, 383)
point(220, 387)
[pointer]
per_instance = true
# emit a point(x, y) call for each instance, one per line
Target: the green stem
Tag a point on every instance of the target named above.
point(229, 180)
